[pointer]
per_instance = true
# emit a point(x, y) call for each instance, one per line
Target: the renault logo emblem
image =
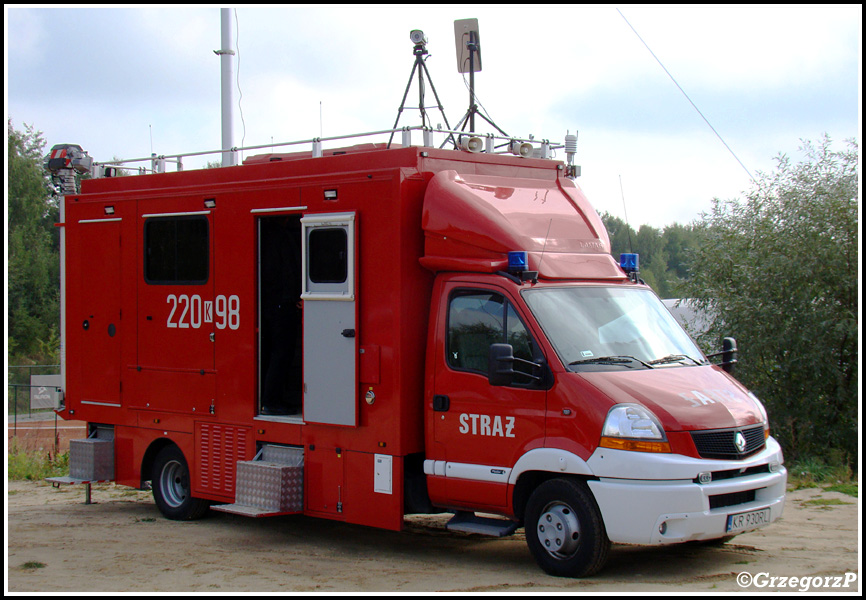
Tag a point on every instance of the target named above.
point(740, 442)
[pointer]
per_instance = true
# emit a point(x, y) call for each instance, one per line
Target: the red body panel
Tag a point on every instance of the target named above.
point(472, 221)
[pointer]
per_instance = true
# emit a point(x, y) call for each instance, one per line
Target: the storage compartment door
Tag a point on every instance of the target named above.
point(97, 318)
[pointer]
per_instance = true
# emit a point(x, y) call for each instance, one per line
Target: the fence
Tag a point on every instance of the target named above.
point(32, 393)
point(21, 383)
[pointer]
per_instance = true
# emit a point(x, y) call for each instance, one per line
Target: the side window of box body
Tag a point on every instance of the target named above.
point(177, 250)
point(328, 256)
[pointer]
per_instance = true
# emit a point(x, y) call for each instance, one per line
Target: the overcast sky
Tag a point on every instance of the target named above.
point(125, 82)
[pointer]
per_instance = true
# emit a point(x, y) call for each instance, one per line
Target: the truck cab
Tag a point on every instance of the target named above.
point(568, 398)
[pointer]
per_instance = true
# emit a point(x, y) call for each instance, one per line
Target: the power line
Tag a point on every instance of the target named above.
point(687, 98)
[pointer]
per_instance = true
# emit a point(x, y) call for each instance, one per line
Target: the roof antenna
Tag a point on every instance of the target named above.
point(627, 226)
point(544, 247)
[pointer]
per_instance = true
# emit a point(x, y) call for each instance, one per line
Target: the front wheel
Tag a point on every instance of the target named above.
point(564, 529)
point(171, 487)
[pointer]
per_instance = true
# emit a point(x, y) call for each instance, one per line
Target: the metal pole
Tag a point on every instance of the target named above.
point(62, 352)
point(227, 71)
point(471, 82)
point(15, 412)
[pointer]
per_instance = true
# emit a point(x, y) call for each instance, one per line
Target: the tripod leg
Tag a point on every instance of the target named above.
point(441, 110)
point(438, 103)
point(403, 103)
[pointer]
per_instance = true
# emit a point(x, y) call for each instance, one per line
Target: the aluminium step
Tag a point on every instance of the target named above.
point(469, 522)
point(58, 481)
point(250, 511)
point(269, 485)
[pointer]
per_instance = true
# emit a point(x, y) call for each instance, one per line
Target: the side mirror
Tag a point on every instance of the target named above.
point(500, 366)
point(728, 354)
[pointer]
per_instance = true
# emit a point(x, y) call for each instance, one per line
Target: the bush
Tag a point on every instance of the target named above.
point(780, 271)
point(35, 466)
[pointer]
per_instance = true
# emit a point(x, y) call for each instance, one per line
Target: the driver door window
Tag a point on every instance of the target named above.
point(477, 319)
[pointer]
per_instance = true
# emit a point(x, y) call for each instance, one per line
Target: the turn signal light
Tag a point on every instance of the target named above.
point(634, 445)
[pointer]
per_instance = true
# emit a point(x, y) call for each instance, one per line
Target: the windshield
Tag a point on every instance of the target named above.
point(602, 328)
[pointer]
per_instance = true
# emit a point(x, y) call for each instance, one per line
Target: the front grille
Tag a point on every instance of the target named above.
point(732, 499)
point(720, 444)
point(734, 473)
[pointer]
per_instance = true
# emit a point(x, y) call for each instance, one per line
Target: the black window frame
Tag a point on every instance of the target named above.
point(148, 259)
point(322, 268)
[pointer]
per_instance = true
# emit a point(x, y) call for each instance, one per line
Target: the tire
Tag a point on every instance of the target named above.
point(564, 529)
point(171, 487)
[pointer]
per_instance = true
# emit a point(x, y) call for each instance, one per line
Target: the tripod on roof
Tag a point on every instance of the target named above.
point(420, 50)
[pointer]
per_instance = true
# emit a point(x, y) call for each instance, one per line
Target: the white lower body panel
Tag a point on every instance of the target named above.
point(673, 511)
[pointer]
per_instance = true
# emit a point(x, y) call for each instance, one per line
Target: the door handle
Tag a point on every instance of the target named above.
point(441, 403)
point(348, 333)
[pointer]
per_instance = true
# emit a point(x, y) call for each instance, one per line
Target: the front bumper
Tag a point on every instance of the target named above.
point(667, 511)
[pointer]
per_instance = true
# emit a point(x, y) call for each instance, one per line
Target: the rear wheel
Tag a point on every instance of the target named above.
point(564, 529)
point(171, 487)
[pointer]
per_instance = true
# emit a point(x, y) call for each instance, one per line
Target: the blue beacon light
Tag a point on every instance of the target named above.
point(629, 262)
point(518, 261)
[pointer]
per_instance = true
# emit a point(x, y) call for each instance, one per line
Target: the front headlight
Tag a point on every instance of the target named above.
point(633, 427)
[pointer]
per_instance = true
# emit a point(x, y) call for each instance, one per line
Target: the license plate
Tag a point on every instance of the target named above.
point(748, 520)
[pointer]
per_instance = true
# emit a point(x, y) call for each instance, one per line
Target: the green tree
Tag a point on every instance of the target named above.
point(780, 271)
point(679, 242)
point(663, 253)
point(33, 249)
point(621, 235)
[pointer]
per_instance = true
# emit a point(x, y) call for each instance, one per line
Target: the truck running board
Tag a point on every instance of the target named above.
point(269, 485)
point(469, 522)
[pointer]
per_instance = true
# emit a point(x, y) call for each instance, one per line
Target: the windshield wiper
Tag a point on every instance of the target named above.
point(671, 358)
point(610, 360)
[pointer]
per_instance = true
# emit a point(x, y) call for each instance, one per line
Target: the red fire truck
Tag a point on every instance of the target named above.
point(378, 331)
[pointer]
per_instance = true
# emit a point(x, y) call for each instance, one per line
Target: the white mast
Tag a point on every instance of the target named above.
point(227, 69)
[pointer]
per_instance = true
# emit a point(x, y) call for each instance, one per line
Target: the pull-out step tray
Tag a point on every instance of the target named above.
point(58, 481)
point(469, 522)
point(269, 485)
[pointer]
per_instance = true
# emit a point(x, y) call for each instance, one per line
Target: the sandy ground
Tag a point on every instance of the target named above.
point(56, 543)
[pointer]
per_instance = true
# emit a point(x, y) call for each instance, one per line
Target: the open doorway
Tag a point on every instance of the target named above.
point(280, 316)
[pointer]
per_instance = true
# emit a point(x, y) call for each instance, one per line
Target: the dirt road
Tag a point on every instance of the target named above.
point(121, 544)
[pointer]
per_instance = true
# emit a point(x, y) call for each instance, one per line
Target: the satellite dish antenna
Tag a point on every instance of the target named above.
point(467, 40)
